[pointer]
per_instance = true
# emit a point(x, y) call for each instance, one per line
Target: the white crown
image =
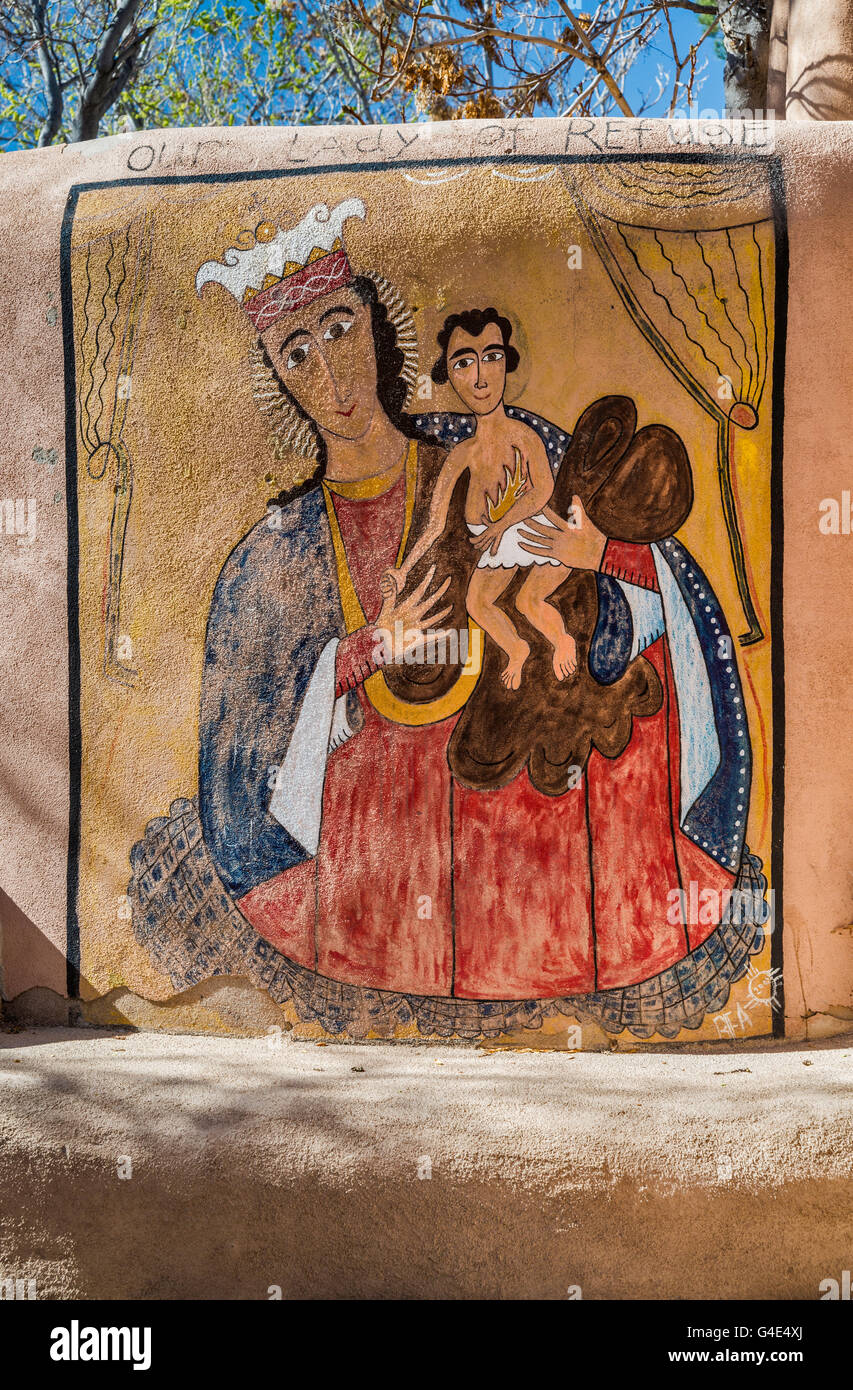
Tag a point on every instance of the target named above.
point(277, 253)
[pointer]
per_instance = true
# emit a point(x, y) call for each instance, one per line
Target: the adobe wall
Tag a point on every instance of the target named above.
point(224, 807)
point(815, 45)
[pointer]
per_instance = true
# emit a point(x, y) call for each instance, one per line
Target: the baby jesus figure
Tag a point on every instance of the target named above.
point(510, 482)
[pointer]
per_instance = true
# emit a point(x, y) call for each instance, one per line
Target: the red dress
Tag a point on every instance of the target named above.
point(424, 887)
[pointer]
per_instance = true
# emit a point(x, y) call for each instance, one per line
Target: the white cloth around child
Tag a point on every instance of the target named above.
point(509, 553)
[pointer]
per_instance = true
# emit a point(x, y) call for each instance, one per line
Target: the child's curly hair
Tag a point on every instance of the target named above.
point(473, 321)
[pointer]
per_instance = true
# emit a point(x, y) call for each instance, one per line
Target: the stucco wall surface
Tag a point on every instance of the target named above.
point(140, 742)
point(383, 1171)
point(818, 53)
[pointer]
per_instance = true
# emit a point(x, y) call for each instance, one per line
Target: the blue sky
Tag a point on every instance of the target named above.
point(687, 30)
point(641, 79)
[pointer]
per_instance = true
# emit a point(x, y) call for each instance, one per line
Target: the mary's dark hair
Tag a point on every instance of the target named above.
point(473, 321)
point(391, 388)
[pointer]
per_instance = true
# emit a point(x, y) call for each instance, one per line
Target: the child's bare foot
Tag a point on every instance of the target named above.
point(511, 673)
point(565, 657)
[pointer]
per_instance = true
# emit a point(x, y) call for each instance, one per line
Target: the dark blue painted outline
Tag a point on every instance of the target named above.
point(777, 187)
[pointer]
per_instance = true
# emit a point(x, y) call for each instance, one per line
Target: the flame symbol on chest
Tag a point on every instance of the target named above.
point(514, 486)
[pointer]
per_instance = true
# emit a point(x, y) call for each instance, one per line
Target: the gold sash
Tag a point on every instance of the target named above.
point(376, 687)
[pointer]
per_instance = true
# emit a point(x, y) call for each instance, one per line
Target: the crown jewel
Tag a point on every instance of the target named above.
point(285, 269)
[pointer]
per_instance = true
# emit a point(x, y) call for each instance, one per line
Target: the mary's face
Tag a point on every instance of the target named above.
point(325, 356)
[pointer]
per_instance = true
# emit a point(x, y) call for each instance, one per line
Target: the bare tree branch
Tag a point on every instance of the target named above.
point(50, 76)
point(115, 64)
point(222, 61)
point(473, 61)
point(596, 60)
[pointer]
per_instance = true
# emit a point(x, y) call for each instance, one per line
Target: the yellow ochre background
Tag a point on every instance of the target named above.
point(203, 470)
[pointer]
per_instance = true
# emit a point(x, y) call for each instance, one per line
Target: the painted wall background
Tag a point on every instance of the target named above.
point(203, 471)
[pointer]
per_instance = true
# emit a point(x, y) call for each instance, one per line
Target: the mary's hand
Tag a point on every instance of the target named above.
point(576, 543)
point(417, 612)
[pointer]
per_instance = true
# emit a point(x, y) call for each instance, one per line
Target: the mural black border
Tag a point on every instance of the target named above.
point(777, 186)
point(777, 546)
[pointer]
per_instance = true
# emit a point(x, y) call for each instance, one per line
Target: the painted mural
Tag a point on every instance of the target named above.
point(426, 591)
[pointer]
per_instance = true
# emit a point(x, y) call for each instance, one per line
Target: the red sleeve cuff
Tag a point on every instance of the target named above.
point(357, 657)
point(633, 563)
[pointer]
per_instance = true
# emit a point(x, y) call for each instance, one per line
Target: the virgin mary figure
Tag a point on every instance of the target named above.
point(379, 835)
